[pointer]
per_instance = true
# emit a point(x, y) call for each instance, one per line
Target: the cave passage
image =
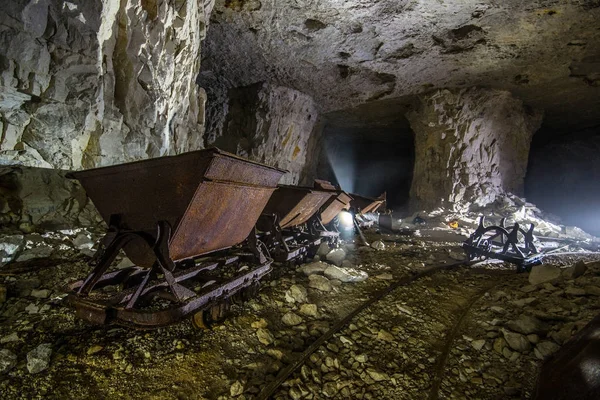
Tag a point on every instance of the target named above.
point(370, 160)
point(563, 176)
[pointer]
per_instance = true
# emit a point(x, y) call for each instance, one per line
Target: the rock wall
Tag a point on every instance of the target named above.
point(99, 82)
point(274, 125)
point(43, 199)
point(471, 145)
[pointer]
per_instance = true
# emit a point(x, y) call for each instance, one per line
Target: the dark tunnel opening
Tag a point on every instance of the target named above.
point(563, 176)
point(370, 160)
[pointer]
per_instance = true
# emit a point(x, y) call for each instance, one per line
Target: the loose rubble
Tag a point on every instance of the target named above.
point(388, 351)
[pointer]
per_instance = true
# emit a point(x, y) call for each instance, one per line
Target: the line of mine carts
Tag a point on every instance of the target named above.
point(202, 228)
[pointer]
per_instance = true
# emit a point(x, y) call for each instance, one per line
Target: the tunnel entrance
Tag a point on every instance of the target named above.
point(563, 176)
point(370, 159)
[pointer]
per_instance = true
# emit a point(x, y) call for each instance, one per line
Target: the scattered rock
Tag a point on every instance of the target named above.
point(13, 337)
point(125, 263)
point(36, 252)
point(330, 389)
point(38, 359)
point(261, 323)
point(94, 349)
point(2, 294)
point(8, 360)
point(32, 309)
point(323, 249)
point(385, 277)
point(314, 268)
point(478, 344)
point(516, 341)
point(9, 247)
point(291, 319)
point(385, 336)
point(336, 256)
point(319, 282)
point(236, 389)
point(296, 294)
point(544, 349)
point(574, 291)
point(264, 336)
point(40, 294)
point(526, 325)
point(345, 274)
point(310, 310)
point(83, 241)
point(592, 290)
point(543, 273)
point(377, 376)
point(378, 245)
point(574, 271)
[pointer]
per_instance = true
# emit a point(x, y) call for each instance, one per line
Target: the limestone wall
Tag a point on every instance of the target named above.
point(97, 82)
point(470, 146)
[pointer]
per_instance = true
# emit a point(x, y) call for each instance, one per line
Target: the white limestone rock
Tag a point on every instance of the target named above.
point(345, 274)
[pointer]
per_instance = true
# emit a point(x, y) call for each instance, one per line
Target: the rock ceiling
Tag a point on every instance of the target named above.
point(362, 57)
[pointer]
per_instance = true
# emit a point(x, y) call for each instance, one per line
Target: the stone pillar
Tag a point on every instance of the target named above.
point(274, 125)
point(471, 145)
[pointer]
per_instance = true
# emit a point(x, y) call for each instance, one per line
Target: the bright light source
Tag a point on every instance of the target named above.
point(346, 219)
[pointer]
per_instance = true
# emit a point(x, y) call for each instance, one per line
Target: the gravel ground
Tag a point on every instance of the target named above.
point(463, 333)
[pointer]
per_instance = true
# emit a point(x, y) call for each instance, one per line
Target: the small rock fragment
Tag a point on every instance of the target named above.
point(296, 294)
point(345, 274)
point(94, 349)
point(310, 310)
point(385, 336)
point(8, 360)
point(526, 325)
point(40, 294)
point(314, 268)
point(336, 256)
point(291, 319)
point(574, 271)
point(319, 282)
point(378, 245)
point(478, 344)
point(264, 336)
point(38, 359)
point(543, 273)
point(377, 376)
point(516, 341)
point(236, 389)
point(544, 349)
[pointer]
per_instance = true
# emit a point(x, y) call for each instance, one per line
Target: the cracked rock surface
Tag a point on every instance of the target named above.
point(345, 54)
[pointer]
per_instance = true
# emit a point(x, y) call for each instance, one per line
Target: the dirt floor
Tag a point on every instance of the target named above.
point(470, 332)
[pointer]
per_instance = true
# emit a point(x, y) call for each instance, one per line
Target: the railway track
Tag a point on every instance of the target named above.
point(340, 328)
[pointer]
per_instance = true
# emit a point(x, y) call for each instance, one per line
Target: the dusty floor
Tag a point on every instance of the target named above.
point(462, 333)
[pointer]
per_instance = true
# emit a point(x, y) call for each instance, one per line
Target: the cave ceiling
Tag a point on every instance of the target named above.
point(364, 61)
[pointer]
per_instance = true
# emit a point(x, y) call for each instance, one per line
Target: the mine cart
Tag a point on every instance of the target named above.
point(165, 213)
point(285, 220)
point(364, 205)
point(337, 203)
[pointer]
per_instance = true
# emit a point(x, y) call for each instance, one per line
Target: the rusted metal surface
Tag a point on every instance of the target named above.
point(334, 206)
point(294, 205)
point(573, 373)
point(210, 198)
point(364, 205)
point(165, 213)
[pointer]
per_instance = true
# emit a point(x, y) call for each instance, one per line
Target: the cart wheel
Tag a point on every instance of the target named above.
point(205, 319)
point(199, 321)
